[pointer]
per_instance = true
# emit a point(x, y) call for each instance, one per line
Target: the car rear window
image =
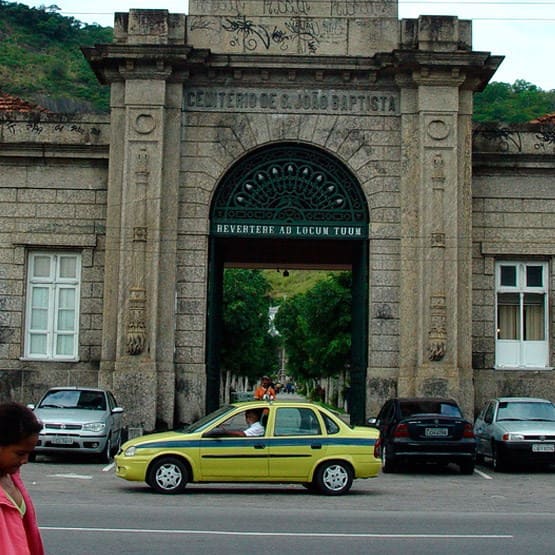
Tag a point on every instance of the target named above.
point(429, 407)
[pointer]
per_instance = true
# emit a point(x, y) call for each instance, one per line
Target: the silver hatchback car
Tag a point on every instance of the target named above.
point(79, 420)
point(512, 430)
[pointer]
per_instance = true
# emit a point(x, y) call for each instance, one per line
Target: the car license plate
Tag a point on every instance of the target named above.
point(543, 447)
point(436, 432)
point(62, 440)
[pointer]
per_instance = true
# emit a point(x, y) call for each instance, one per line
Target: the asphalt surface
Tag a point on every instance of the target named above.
point(84, 509)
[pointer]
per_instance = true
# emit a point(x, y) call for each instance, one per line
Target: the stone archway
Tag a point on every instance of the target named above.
point(290, 205)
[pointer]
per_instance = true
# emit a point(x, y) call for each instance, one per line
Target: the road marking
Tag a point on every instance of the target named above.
point(109, 467)
point(281, 534)
point(76, 476)
point(483, 474)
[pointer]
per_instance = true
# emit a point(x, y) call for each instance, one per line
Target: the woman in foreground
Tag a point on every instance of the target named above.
point(19, 432)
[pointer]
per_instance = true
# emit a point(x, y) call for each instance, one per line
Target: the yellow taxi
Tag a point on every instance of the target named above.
point(255, 441)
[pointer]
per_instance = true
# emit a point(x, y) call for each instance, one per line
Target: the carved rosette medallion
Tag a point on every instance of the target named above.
point(438, 129)
point(144, 124)
point(136, 321)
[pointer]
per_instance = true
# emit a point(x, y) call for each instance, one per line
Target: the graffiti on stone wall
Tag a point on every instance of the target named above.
point(545, 137)
point(286, 7)
point(37, 126)
point(496, 138)
point(299, 33)
point(504, 139)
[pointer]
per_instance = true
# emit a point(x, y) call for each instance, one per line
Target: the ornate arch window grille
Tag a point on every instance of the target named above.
point(289, 186)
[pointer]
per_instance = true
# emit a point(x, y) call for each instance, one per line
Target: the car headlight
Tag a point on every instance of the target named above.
point(513, 437)
point(130, 451)
point(94, 427)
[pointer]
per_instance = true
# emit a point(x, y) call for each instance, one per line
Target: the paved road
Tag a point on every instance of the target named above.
point(85, 510)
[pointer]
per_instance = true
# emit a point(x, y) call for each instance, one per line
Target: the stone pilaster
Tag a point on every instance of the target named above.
point(439, 71)
point(139, 314)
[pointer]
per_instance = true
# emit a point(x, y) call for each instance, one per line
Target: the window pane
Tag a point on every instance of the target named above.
point(37, 344)
point(41, 266)
point(64, 345)
point(534, 276)
point(508, 276)
point(508, 316)
point(68, 266)
point(534, 317)
point(40, 297)
point(66, 298)
point(39, 319)
point(66, 320)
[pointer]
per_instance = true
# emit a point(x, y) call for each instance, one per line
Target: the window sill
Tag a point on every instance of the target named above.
point(524, 368)
point(31, 359)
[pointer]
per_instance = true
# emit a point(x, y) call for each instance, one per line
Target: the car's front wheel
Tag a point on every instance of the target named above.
point(106, 455)
point(334, 478)
point(168, 475)
point(498, 460)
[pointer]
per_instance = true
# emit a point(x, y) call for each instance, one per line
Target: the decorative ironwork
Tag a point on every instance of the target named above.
point(290, 184)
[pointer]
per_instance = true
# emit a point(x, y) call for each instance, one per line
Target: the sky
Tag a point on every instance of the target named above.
point(521, 30)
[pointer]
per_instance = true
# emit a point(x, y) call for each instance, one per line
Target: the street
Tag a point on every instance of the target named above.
point(83, 509)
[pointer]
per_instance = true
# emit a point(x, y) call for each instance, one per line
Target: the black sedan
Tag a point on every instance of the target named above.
point(428, 430)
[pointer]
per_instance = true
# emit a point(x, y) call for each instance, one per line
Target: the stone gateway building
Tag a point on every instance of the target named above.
point(302, 134)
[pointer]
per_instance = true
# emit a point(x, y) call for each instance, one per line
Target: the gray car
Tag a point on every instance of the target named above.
point(511, 430)
point(79, 420)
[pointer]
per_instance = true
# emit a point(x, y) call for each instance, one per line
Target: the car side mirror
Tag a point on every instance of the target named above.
point(117, 410)
point(31, 406)
point(372, 422)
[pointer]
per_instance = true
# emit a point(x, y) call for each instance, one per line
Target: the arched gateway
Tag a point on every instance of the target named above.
point(290, 205)
point(271, 134)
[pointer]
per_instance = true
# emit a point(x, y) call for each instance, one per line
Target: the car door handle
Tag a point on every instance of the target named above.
point(316, 446)
point(260, 446)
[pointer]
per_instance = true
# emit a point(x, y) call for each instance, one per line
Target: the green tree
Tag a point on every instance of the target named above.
point(248, 349)
point(316, 328)
point(520, 102)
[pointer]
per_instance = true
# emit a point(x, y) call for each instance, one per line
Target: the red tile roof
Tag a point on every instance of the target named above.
point(9, 103)
point(548, 118)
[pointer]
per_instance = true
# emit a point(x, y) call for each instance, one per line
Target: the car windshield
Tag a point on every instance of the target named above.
point(525, 410)
point(73, 399)
point(205, 421)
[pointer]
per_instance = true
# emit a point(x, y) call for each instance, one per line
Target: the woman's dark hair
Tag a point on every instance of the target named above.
point(17, 422)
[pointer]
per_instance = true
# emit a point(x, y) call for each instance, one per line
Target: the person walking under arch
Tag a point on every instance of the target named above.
point(265, 390)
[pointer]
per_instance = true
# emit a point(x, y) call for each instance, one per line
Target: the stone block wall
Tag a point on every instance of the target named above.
point(321, 27)
point(513, 219)
point(53, 179)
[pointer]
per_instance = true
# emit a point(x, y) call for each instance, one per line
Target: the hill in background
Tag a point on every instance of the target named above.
point(41, 62)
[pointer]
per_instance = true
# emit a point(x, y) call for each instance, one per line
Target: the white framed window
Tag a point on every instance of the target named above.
point(521, 315)
point(52, 309)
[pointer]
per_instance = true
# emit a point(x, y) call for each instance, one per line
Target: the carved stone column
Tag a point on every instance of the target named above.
point(139, 315)
point(436, 82)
